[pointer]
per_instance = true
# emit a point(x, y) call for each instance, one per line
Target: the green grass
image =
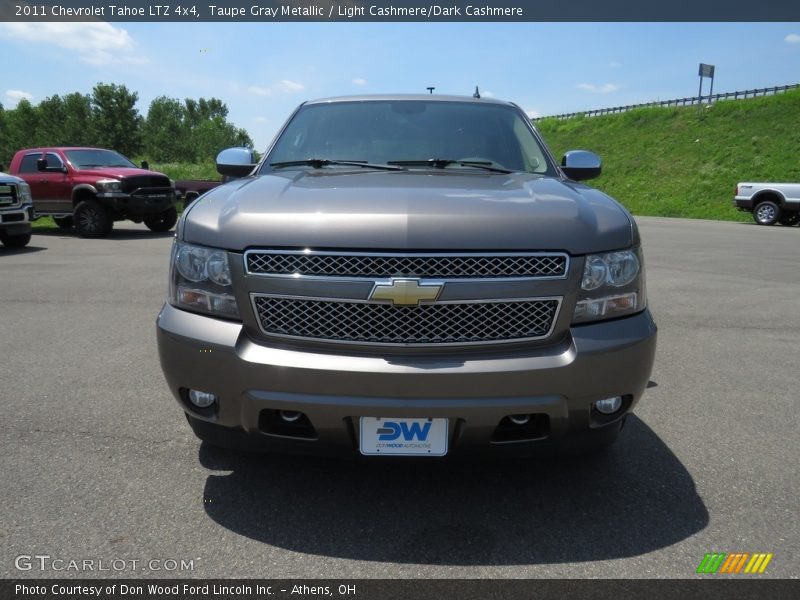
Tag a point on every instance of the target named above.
point(685, 162)
point(177, 171)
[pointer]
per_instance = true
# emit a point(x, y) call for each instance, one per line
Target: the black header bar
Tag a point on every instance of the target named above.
point(269, 11)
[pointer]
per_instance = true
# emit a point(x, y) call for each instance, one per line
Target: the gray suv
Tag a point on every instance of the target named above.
point(407, 276)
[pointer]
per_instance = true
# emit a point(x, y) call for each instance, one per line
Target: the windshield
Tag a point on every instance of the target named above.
point(87, 159)
point(411, 133)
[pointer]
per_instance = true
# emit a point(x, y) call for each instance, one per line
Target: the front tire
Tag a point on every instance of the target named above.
point(767, 213)
point(19, 240)
point(92, 219)
point(163, 221)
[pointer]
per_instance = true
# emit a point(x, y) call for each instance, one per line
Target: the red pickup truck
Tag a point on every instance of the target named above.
point(91, 188)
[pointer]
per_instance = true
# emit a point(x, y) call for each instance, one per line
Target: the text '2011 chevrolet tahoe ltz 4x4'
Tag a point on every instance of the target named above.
point(407, 275)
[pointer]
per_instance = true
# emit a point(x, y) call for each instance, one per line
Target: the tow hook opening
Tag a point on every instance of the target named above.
point(521, 428)
point(286, 423)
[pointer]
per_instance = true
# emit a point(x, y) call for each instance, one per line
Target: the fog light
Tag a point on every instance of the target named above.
point(201, 399)
point(608, 406)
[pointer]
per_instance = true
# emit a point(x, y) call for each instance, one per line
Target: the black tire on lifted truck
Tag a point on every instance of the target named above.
point(163, 221)
point(92, 219)
point(19, 240)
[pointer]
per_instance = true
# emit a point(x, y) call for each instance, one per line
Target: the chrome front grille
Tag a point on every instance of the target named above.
point(131, 184)
point(551, 265)
point(8, 195)
point(377, 323)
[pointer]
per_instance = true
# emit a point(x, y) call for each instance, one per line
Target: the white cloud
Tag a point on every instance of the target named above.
point(615, 65)
point(14, 96)
point(96, 43)
point(606, 88)
point(260, 91)
point(284, 85)
point(792, 38)
point(487, 94)
point(533, 114)
point(289, 86)
point(260, 119)
point(360, 81)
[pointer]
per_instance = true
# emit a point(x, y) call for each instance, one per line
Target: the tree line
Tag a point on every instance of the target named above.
point(172, 131)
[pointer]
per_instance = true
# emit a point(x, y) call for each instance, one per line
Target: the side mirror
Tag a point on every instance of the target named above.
point(42, 165)
point(581, 165)
point(145, 165)
point(235, 162)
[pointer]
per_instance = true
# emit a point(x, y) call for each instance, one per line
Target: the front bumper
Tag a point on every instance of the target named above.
point(140, 203)
point(475, 392)
point(16, 220)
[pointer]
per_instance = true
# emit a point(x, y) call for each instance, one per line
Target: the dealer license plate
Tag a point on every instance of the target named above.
point(387, 436)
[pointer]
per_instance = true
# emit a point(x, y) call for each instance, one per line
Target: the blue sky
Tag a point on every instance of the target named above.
point(263, 70)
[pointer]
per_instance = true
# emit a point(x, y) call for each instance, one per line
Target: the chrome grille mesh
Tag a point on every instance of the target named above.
point(406, 265)
point(443, 323)
point(8, 195)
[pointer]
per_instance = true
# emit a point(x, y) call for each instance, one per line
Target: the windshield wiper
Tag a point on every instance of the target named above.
point(318, 163)
point(441, 163)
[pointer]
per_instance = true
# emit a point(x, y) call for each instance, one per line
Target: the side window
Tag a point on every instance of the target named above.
point(54, 160)
point(28, 164)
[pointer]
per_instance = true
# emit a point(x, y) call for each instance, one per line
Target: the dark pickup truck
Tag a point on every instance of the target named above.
point(92, 187)
point(190, 190)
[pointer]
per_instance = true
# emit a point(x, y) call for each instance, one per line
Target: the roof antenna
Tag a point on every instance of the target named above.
point(477, 94)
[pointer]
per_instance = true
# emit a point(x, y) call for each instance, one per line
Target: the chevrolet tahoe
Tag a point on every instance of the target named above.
point(407, 276)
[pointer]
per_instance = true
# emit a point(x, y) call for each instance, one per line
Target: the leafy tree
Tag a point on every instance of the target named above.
point(5, 151)
point(164, 131)
point(23, 125)
point(78, 125)
point(117, 123)
point(173, 131)
point(50, 129)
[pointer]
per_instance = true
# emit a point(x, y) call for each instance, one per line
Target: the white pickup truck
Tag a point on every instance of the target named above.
point(16, 211)
point(770, 203)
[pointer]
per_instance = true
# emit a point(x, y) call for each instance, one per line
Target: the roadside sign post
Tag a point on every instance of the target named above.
point(705, 71)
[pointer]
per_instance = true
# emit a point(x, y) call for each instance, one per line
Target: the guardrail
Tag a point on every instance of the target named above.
point(771, 91)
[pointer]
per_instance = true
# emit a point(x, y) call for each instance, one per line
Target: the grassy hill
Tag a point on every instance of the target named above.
point(685, 162)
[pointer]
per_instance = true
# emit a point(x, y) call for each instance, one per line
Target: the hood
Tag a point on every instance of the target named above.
point(117, 172)
point(6, 178)
point(408, 210)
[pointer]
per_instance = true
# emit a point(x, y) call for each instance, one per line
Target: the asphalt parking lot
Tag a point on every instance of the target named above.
point(97, 461)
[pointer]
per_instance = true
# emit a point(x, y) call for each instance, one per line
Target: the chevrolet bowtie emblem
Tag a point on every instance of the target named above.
point(406, 291)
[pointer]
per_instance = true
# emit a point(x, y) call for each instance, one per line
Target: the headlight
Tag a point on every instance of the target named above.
point(612, 286)
point(108, 185)
point(200, 280)
point(24, 192)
